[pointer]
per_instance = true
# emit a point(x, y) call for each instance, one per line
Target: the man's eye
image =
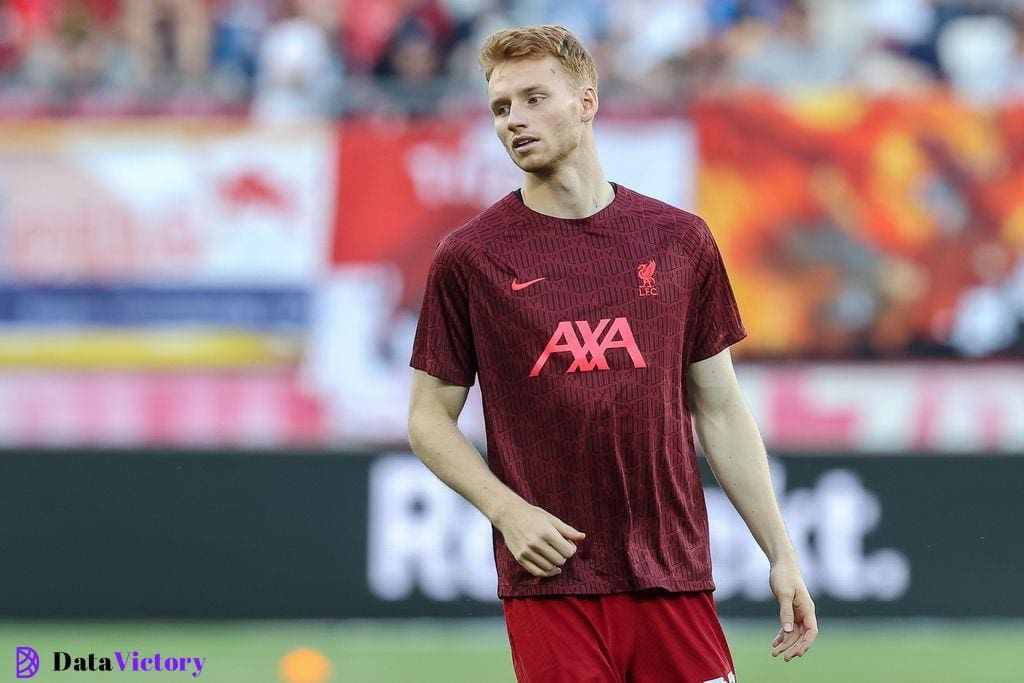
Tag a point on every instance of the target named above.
point(501, 111)
point(535, 99)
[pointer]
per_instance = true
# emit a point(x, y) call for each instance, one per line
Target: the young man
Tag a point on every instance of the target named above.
point(598, 321)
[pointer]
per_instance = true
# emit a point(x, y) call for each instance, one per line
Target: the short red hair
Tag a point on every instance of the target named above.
point(536, 42)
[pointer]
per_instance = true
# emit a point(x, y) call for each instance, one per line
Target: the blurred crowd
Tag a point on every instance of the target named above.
point(288, 59)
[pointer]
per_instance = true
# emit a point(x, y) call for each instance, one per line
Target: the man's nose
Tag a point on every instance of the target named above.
point(516, 117)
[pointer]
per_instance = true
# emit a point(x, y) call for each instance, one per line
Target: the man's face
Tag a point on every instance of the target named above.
point(536, 111)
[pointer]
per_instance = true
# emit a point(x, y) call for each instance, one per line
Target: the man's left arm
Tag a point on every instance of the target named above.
point(738, 459)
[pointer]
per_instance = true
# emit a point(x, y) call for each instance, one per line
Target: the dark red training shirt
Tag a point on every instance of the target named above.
point(581, 331)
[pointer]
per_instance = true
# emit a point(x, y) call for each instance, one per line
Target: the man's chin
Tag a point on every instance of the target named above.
point(530, 164)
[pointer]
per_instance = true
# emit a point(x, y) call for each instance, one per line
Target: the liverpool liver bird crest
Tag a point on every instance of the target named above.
point(645, 271)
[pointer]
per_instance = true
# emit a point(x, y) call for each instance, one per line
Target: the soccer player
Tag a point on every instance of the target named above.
point(598, 322)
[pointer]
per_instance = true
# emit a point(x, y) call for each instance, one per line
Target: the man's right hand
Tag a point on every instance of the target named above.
point(537, 539)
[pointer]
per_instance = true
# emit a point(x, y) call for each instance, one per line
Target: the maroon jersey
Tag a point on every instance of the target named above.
point(581, 331)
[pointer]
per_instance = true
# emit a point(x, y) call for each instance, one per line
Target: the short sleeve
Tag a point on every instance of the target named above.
point(714, 316)
point(443, 345)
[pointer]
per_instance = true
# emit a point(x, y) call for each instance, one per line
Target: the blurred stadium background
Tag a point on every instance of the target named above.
point(216, 217)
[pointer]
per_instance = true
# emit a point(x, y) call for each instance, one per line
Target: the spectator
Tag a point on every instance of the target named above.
point(474, 20)
point(412, 65)
point(13, 36)
point(298, 70)
point(237, 29)
point(786, 55)
point(882, 69)
point(653, 31)
point(74, 47)
point(1015, 88)
point(185, 24)
point(977, 55)
point(590, 19)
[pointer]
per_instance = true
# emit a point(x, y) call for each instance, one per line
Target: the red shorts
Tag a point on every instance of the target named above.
point(642, 637)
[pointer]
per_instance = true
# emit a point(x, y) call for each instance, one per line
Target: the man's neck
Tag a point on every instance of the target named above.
point(568, 193)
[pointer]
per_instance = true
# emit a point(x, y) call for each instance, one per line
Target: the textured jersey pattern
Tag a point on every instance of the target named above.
point(582, 375)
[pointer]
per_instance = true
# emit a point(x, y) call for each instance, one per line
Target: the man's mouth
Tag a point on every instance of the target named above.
point(523, 142)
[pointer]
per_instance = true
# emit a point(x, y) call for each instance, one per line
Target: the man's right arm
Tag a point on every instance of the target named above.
point(538, 540)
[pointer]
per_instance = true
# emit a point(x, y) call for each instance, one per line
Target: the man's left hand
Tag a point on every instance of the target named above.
point(799, 626)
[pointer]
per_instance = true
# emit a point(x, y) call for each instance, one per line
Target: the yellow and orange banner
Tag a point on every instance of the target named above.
point(858, 227)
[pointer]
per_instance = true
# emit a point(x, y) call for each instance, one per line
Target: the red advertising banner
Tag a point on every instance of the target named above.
point(402, 186)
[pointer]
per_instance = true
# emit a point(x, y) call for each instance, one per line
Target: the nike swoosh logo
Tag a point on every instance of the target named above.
point(516, 286)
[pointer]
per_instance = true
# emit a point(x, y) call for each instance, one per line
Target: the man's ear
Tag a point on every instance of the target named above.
point(588, 102)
